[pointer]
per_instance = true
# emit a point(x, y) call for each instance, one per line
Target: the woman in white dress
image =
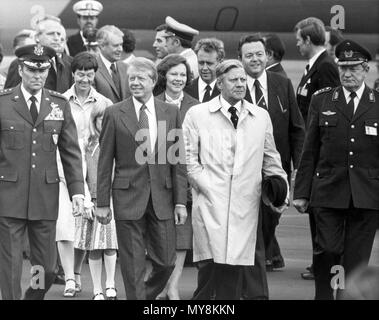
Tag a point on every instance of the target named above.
point(82, 98)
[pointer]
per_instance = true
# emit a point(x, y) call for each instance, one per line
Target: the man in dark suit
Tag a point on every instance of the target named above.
point(275, 94)
point(111, 78)
point(149, 185)
point(51, 33)
point(275, 51)
point(338, 171)
point(34, 123)
point(87, 12)
point(210, 52)
point(320, 72)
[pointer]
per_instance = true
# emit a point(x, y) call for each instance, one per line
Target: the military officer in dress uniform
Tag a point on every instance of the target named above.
point(34, 122)
point(338, 174)
point(87, 12)
point(179, 40)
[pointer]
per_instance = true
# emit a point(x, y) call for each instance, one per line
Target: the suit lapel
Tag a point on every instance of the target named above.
point(248, 95)
point(122, 72)
point(20, 105)
point(273, 96)
point(162, 117)
point(215, 92)
point(364, 104)
point(104, 72)
point(45, 107)
point(340, 103)
point(129, 117)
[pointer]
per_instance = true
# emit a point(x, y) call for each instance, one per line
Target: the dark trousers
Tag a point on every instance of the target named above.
point(345, 237)
point(135, 237)
point(254, 283)
point(218, 281)
point(312, 226)
point(270, 221)
point(43, 257)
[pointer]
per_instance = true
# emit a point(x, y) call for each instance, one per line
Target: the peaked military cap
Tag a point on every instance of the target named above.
point(349, 52)
point(88, 8)
point(180, 30)
point(35, 56)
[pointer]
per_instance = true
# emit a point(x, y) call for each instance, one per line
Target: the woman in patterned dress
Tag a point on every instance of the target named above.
point(99, 239)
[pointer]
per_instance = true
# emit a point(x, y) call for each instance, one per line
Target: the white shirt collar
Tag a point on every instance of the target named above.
point(71, 94)
point(27, 96)
point(271, 66)
point(203, 84)
point(177, 102)
point(314, 58)
point(225, 105)
point(107, 63)
point(359, 92)
point(262, 81)
point(149, 105)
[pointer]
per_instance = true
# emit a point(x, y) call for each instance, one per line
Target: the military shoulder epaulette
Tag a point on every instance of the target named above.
point(57, 94)
point(327, 89)
point(6, 91)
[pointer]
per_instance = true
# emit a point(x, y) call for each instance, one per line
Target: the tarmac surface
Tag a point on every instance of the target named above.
point(284, 284)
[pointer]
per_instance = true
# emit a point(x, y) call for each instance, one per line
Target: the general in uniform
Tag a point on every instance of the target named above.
point(34, 122)
point(338, 174)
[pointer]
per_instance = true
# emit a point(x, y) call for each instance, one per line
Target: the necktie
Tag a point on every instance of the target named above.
point(259, 99)
point(33, 108)
point(207, 94)
point(144, 124)
point(233, 116)
point(116, 79)
point(350, 105)
point(306, 69)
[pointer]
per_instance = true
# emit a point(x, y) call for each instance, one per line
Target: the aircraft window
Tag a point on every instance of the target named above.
point(226, 19)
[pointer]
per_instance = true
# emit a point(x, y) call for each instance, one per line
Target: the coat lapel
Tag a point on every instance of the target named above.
point(20, 105)
point(129, 117)
point(104, 72)
point(45, 107)
point(366, 102)
point(275, 106)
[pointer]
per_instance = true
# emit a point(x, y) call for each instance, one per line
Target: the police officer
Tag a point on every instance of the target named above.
point(87, 12)
point(338, 174)
point(179, 40)
point(34, 123)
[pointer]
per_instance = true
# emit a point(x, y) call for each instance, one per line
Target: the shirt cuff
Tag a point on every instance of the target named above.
point(180, 205)
point(80, 196)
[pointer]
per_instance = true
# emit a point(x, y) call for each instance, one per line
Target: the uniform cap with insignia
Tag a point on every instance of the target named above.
point(87, 8)
point(351, 53)
point(35, 56)
point(180, 30)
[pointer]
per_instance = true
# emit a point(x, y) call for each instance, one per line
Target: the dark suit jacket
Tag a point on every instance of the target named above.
point(59, 81)
point(325, 176)
point(104, 83)
point(28, 192)
point(324, 73)
point(134, 183)
point(187, 103)
point(75, 44)
point(193, 90)
point(287, 122)
point(278, 68)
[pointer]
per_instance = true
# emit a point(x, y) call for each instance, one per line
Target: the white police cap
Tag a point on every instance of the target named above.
point(87, 8)
point(180, 30)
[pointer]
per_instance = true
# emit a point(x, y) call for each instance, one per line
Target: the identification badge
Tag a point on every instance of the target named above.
point(303, 91)
point(55, 138)
point(371, 131)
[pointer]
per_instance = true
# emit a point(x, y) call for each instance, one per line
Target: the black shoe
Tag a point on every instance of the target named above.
point(308, 275)
point(278, 264)
point(310, 268)
point(269, 266)
point(59, 279)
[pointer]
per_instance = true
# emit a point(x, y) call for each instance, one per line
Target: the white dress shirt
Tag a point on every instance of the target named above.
point(263, 85)
point(151, 115)
point(358, 97)
point(107, 63)
point(201, 88)
point(27, 96)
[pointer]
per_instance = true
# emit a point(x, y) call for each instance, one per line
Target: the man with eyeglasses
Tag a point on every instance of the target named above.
point(338, 175)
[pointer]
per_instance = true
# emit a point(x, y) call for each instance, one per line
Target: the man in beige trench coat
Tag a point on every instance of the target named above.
point(229, 149)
